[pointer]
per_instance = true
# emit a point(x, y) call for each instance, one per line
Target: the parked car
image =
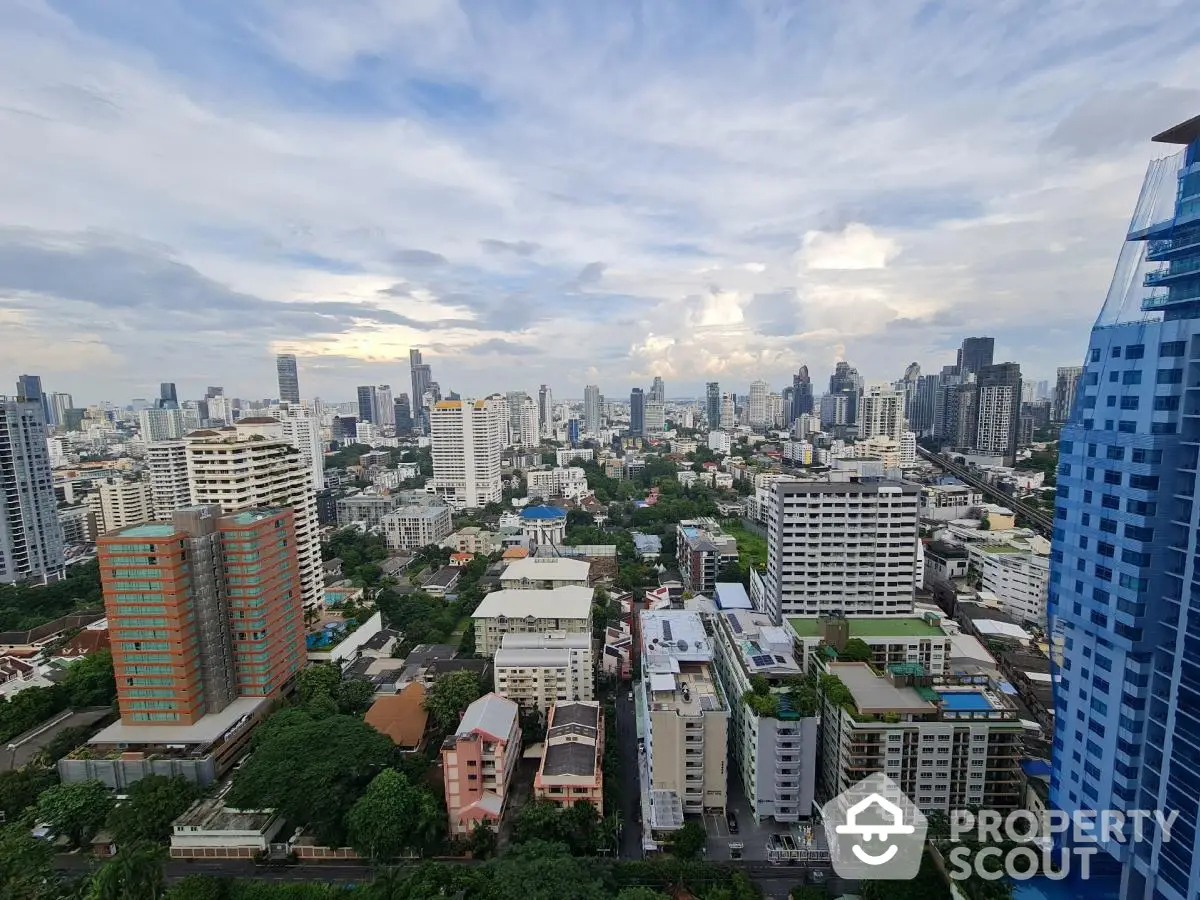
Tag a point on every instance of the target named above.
point(731, 821)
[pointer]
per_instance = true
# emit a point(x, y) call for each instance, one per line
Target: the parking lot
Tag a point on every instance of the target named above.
point(754, 837)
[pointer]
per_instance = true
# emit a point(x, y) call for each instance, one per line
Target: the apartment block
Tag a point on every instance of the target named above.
point(946, 502)
point(881, 413)
point(539, 670)
point(703, 549)
point(572, 764)
point(564, 609)
point(925, 640)
point(31, 540)
point(119, 502)
point(368, 510)
point(1018, 579)
point(467, 438)
point(252, 465)
point(562, 482)
point(478, 762)
point(773, 744)
point(411, 527)
point(947, 745)
point(170, 489)
point(842, 543)
point(546, 573)
point(684, 720)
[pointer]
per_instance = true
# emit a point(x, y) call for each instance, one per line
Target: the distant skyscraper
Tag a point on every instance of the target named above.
point(467, 439)
point(382, 406)
point(167, 396)
point(289, 378)
point(422, 377)
point(545, 413)
point(302, 430)
point(1065, 387)
point(727, 418)
point(908, 386)
point(975, 354)
point(366, 403)
point(31, 539)
point(712, 404)
point(925, 402)
point(802, 394)
point(999, 410)
point(592, 412)
point(220, 587)
point(1123, 604)
point(637, 412)
point(846, 382)
point(882, 413)
point(758, 404)
point(161, 424)
point(403, 415)
point(59, 405)
point(29, 387)
point(658, 390)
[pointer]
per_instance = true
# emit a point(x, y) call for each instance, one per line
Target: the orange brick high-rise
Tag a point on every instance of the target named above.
point(202, 610)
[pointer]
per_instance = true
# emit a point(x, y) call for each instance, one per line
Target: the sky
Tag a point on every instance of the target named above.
point(564, 192)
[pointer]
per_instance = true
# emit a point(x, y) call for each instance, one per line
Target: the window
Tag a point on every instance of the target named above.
point(1135, 351)
point(1104, 573)
point(1141, 507)
point(1112, 476)
point(1065, 468)
point(1113, 376)
point(1108, 526)
point(1172, 348)
point(1166, 403)
point(1129, 402)
point(1133, 558)
point(1116, 352)
point(1108, 501)
point(1089, 402)
point(1105, 549)
point(1115, 452)
point(1091, 378)
point(1138, 533)
point(1066, 446)
point(1162, 427)
point(1110, 400)
point(1147, 456)
point(1170, 376)
point(1144, 482)
point(1095, 357)
point(1134, 377)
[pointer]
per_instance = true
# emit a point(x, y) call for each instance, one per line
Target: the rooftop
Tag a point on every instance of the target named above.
point(872, 626)
point(765, 649)
point(148, 530)
point(1183, 133)
point(543, 512)
point(571, 602)
point(204, 732)
point(675, 633)
point(402, 716)
point(211, 814)
point(539, 568)
point(876, 694)
point(732, 595)
point(491, 715)
point(426, 513)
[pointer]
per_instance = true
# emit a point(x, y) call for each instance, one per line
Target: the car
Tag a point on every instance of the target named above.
point(731, 821)
point(630, 698)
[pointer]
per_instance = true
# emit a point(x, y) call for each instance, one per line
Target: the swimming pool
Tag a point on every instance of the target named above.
point(964, 701)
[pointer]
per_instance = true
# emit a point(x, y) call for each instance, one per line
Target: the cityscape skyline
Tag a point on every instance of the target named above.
point(519, 216)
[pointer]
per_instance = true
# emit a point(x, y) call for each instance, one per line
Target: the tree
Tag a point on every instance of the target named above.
point(135, 873)
point(314, 681)
point(392, 815)
point(311, 769)
point(640, 893)
point(25, 865)
point(154, 802)
point(355, 696)
point(856, 650)
point(64, 742)
point(75, 811)
point(689, 841)
point(90, 681)
point(20, 788)
point(482, 843)
point(807, 892)
point(449, 697)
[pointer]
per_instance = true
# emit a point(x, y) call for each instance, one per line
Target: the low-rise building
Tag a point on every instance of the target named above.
point(473, 539)
point(946, 502)
point(948, 745)
point(513, 611)
point(366, 509)
point(561, 483)
point(571, 768)
point(774, 741)
point(411, 527)
point(402, 717)
point(616, 659)
point(546, 573)
point(334, 638)
point(944, 562)
point(478, 762)
point(1018, 579)
point(925, 640)
point(702, 550)
point(442, 582)
point(539, 670)
point(211, 830)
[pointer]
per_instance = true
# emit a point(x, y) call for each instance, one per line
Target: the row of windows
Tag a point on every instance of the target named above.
point(1168, 403)
point(1138, 455)
point(1170, 349)
point(152, 704)
point(1132, 427)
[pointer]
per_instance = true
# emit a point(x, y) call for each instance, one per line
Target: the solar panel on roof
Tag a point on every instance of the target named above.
point(735, 625)
point(761, 660)
point(666, 630)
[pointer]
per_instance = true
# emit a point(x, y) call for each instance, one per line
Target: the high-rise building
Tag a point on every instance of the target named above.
point(637, 412)
point(302, 430)
point(975, 354)
point(592, 409)
point(166, 465)
point(168, 397)
point(712, 405)
point(402, 413)
point(31, 539)
point(846, 382)
point(526, 433)
point(161, 424)
point(545, 413)
point(728, 414)
point(658, 390)
point(467, 439)
point(201, 610)
point(958, 422)
point(924, 403)
point(251, 465)
point(655, 418)
point(60, 404)
point(383, 407)
point(1122, 606)
point(998, 410)
point(366, 403)
point(758, 404)
point(802, 395)
point(121, 502)
point(289, 378)
point(29, 387)
point(422, 377)
point(1065, 387)
point(882, 413)
point(907, 385)
point(842, 543)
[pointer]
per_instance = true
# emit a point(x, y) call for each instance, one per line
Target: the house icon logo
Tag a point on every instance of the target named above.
point(874, 831)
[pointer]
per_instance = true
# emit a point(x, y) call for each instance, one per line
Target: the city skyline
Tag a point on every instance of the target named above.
point(495, 217)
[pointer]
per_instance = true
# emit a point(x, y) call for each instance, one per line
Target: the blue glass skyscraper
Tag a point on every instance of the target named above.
point(1125, 569)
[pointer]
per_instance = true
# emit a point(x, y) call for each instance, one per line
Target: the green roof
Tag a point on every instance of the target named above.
point(872, 626)
point(149, 530)
point(1001, 548)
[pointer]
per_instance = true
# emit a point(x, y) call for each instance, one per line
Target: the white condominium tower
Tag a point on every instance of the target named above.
point(545, 412)
point(882, 413)
point(302, 429)
point(467, 438)
point(166, 463)
point(592, 409)
point(250, 465)
point(31, 539)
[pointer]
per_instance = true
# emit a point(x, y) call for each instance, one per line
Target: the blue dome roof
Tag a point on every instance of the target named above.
point(543, 512)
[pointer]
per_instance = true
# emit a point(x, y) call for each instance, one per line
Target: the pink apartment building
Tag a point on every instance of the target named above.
point(478, 762)
point(572, 764)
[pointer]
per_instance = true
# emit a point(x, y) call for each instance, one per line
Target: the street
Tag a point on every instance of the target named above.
point(631, 833)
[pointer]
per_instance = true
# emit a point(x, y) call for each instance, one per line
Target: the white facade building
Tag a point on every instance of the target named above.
point(728, 412)
point(412, 527)
point(757, 404)
point(31, 539)
point(467, 439)
point(946, 502)
point(170, 488)
point(719, 442)
point(302, 430)
point(881, 413)
point(565, 609)
point(539, 670)
point(842, 543)
point(1018, 579)
point(546, 573)
point(592, 409)
point(564, 482)
point(250, 465)
point(118, 503)
point(160, 425)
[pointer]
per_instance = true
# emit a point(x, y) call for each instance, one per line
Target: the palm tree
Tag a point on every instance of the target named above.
point(135, 873)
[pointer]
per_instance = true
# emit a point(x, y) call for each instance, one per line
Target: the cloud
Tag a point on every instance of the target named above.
point(855, 247)
point(590, 274)
point(519, 248)
point(419, 258)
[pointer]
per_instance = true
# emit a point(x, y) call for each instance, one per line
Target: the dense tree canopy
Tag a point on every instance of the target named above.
point(154, 802)
point(75, 811)
point(392, 816)
point(450, 696)
point(25, 606)
point(20, 789)
point(88, 682)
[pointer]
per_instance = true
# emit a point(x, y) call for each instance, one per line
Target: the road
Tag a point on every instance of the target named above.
point(631, 832)
point(1041, 521)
